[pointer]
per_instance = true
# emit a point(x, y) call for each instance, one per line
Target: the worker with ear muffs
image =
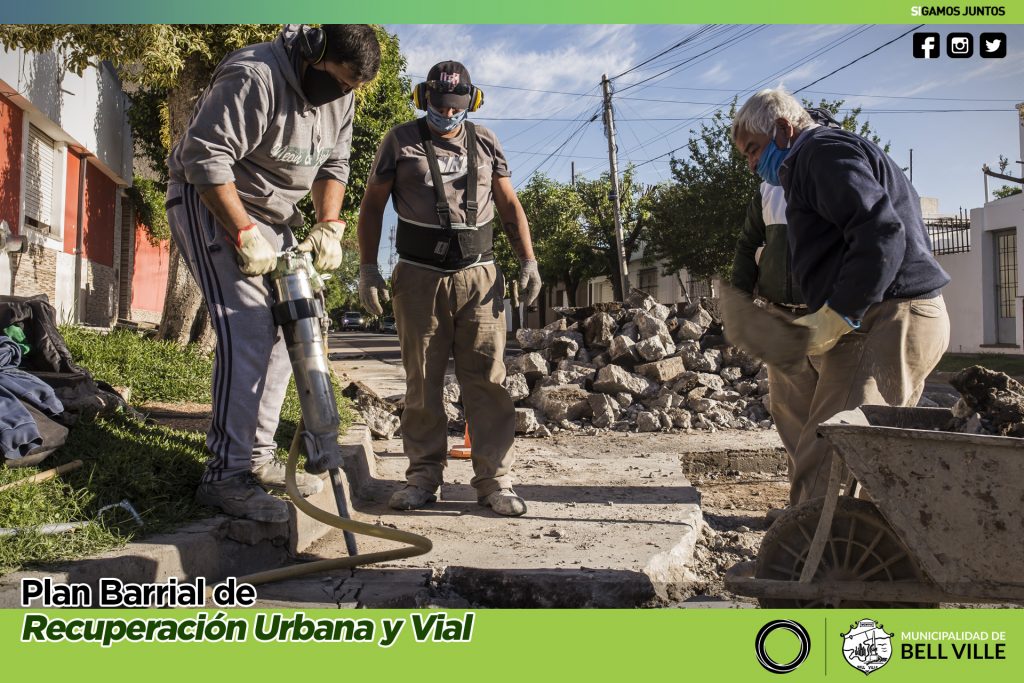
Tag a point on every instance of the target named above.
point(274, 124)
point(446, 178)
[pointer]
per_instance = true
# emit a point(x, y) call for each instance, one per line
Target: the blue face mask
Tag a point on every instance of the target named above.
point(770, 162)
point(444, 123)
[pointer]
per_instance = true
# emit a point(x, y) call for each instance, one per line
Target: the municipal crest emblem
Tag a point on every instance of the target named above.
point(866, 646)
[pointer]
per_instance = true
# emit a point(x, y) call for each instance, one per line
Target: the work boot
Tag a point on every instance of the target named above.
point(242, 497)
point(411, 498)
point(504, 502)
point(271, 475)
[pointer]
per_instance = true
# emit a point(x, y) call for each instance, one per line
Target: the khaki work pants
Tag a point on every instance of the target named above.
point(885, 362)
point(461, 314)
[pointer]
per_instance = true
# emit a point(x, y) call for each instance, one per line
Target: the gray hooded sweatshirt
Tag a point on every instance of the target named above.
point(254, 127)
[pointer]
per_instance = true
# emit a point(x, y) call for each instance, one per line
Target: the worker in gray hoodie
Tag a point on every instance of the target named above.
point(274, 124)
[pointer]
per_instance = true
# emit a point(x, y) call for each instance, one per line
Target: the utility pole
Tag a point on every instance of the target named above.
point(911, 165)
point(609, 127)
point(573, 175)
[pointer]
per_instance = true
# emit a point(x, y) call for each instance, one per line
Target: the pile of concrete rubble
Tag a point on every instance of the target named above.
point(635, 366)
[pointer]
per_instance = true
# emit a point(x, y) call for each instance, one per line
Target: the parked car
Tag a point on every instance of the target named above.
point(387, 325)
point(353, 320)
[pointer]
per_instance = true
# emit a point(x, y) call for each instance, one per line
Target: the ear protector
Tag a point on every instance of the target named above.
point(419, 97)
point(313, 43)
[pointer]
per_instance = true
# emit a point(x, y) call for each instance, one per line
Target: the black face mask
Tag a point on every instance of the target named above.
point(320, 88)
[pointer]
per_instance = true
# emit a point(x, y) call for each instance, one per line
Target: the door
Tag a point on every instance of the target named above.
point(1006, 286)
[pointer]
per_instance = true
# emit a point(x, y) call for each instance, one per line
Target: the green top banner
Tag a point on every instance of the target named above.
point(521, 11)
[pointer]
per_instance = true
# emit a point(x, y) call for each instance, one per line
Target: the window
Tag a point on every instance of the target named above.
point(39, 166)
point(649, 281)
point(1006, 245)
point(698, 288)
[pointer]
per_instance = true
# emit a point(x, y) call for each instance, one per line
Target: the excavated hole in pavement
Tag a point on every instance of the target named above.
point(737, 489)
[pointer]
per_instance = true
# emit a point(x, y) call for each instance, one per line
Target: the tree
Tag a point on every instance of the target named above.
point(556, 211)
point(168, 66)
point(1005, 190)
point(599, 223)
point(697, 217)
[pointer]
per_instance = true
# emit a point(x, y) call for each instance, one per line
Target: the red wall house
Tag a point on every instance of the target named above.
point(10, 163)
point(149, 277)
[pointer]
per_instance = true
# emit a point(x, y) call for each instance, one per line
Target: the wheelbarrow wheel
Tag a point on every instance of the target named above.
point(861, 547)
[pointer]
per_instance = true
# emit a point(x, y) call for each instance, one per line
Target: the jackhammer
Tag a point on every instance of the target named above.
point(299, 311)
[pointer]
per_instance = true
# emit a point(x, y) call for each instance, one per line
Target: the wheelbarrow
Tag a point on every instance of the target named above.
point(941, 521)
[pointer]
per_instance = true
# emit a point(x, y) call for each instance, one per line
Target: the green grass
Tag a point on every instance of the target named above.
point(154, 467)
point(154, 370)
point(1010, 364)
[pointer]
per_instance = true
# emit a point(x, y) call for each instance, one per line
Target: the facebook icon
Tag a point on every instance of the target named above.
point(926, 45)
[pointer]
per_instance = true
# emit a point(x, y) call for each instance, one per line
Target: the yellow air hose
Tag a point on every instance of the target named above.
point(415, 544)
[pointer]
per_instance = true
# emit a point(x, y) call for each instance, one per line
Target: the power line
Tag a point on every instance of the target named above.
point(551, 154)
point(676, 46)
point(726, 43)
point(866, 54)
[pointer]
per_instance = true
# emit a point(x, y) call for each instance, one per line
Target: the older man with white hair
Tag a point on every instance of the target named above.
point(862, 259)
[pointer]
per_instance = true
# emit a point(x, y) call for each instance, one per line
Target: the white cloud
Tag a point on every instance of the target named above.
point(716, 75)
point(524, 57)
point(803, 36)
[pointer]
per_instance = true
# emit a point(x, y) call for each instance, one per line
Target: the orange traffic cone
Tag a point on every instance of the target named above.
point(463, 452)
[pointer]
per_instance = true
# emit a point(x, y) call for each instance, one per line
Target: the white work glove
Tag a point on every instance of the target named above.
point(827, 328)
point(372, 285)
point(529, 281)
point(256, 256)
point(324, 241)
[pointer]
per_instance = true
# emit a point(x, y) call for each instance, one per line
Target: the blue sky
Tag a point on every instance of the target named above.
point(723, 61)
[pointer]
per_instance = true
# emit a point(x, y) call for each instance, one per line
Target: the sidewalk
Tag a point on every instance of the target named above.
point(612, 522)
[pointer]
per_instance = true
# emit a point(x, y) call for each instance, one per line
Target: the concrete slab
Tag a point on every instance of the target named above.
point(617, 526)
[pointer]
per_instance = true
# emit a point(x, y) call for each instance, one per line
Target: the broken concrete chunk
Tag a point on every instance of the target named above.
point(532, 365)
point(566, 402)
point(598, 330)
point(649, 326)
point(612, 379)
point(606, 410)
point(688, 331)
point(665, 370)
point(651, 349)
point(517, 386)
point(526, 421)
point(648, 422)
point(452, 392)
point(640, 299)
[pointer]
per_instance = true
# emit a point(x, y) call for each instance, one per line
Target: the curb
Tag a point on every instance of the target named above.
point(217, 547)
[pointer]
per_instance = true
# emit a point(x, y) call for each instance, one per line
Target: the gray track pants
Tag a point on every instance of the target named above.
point(251, 367)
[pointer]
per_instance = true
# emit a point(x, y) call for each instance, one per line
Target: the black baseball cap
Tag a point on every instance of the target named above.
point(450, 85)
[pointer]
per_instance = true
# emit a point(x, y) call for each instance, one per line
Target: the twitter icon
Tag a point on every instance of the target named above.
point(993, 45)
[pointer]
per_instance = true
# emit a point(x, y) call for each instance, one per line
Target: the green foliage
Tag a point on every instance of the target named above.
point(849, 120)
point(162, 371)
point(380, 106)
point(155, 370)
point(1006, 191)
point(599, 222)
point(148, 197)
point(563, 247)
point(697, 217)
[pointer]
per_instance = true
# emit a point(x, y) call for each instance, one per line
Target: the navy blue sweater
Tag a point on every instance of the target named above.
point(855, 228)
